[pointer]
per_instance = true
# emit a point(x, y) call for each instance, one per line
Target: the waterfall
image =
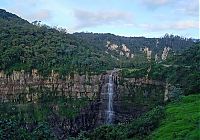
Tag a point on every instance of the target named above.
point(109, 112)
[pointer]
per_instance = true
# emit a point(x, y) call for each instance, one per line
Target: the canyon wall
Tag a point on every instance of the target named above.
point(71, 85)
point(130, 99)
point(135, 96)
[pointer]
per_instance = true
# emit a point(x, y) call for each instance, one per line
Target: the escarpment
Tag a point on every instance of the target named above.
point(131, 97)
point(71, 85)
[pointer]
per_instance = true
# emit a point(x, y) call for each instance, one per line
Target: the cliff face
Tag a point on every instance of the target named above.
point(135, 96)
point(71, 85)
point(137, 92)
point(131, 97)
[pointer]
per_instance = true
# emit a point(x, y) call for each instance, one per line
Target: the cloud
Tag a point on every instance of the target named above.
point(188, 7)
point(42, 14)
point(156, 2)
point(180, 25)
point(31, 9)
point(152, 4)
point(25, 3)
point(86, 18)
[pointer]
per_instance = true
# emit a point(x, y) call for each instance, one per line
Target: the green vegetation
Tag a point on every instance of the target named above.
point(134, 73)
point(177, 120)
point(177, 43)
point(27, 46)
point(181, 70)
point(25, 118)
point(34, 46)
point(182, 120)
point(136, 129)
point(14, 130)
point(39, 109)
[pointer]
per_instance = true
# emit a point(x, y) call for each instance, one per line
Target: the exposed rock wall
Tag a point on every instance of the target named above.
point(86, 120)
point(71, 85)
point(134, 96)
point(122, 50)
point(131, 95)
point(165, 53)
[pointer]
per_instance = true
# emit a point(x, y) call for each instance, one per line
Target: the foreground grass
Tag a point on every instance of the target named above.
point(182, 120)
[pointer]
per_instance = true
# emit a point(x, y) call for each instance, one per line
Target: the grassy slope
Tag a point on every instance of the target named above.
point(182, 120)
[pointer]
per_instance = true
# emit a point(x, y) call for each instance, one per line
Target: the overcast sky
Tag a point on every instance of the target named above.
point(149, 18)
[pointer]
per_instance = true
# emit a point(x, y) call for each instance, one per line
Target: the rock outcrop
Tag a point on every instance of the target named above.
point(72, 85)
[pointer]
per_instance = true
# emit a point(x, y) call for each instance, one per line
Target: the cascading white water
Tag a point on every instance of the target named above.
point(109, 112)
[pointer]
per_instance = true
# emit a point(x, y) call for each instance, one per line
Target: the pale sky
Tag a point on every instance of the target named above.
point(149, 18)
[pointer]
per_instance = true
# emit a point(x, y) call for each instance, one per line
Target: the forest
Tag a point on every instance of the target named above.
point(27, 46)
point(50, 115)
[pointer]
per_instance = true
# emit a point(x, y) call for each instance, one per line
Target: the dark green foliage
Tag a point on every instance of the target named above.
point(145, 124)
point(176, 93)
point(134, 73)
point(42, 131)
point(26, 46)
point(39, 110)
point(8, 130)
point(183, 70)
point(177, 43)
point(188, 74)
point(13, 129)
point(29, 119)
point(108, 132)
point(136, 129)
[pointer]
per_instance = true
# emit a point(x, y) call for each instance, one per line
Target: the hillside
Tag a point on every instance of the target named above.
point(27, 46)
point(178, 118)
point(30, 46)
point(135, 44)
point(181, 121)
point(56, 85)
point(181, 70)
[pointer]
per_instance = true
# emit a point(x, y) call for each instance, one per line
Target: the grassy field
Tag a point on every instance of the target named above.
point(182, 120)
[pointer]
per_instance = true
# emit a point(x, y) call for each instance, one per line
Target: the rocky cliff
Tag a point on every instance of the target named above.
point(72, 85)
point(135, 96)
point(131, 98)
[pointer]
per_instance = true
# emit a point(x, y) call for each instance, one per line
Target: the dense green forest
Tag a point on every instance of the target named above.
point(182, 70)
point(32, 46)
point(27, 46)
point(177, 43)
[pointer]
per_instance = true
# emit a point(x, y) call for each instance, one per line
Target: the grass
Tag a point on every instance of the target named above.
point(182, 120)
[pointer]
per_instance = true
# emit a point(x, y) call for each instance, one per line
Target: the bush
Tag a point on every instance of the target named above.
point(138, 128)
point(145, 124)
